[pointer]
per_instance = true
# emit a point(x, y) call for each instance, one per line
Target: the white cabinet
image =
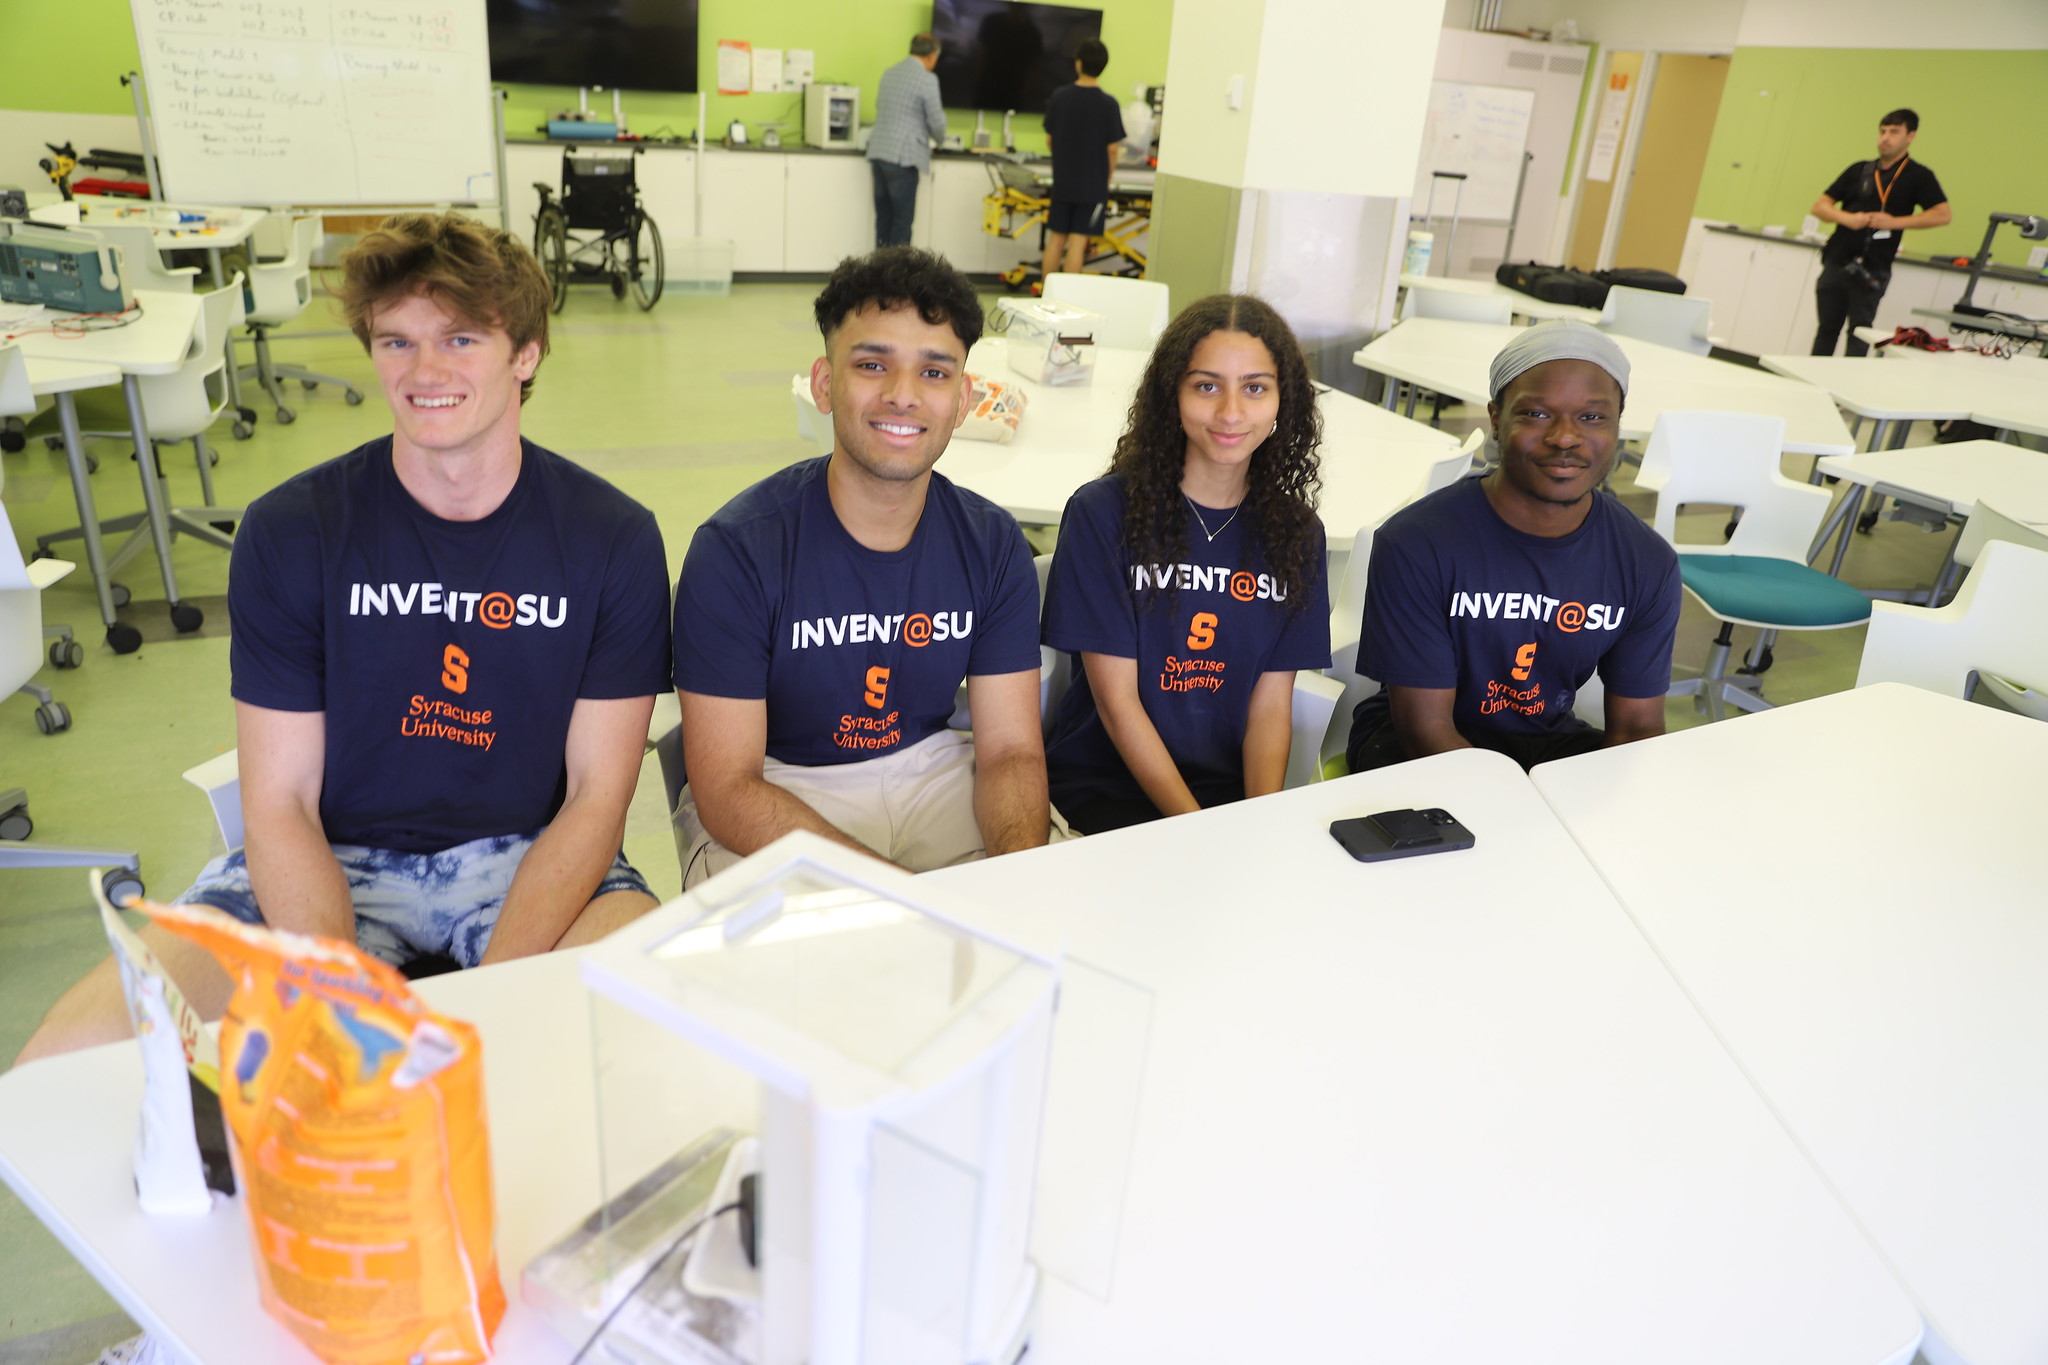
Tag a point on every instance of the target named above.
point(1762, 292)
point(830, 213)
point(745, 201)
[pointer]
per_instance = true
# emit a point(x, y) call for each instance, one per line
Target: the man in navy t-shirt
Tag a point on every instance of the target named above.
point(1489, 603)
point(1084, 126)
point(826, 617)
point(447, 644)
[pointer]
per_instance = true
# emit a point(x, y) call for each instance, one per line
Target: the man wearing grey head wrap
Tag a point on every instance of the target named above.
point(1490, 603)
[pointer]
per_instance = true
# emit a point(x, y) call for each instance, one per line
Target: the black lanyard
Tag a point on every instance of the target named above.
point(1884, 191)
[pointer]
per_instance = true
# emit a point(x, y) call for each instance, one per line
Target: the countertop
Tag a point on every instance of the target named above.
point(2017, 274)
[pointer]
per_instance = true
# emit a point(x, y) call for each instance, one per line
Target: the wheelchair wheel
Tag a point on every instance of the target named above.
point(551, 244)
point(643, 260)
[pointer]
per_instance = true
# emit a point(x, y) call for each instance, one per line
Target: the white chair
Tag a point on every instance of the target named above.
point(1453, 466)
point(1985, 525)
point(141, 265)
point(1992, 628)
point(1760, 576)
point(811, 425)
point(180, 406)
point(21, 655)
point(277, 292)
point(1421, 301)
point(1134, 312)
point(1672, 320)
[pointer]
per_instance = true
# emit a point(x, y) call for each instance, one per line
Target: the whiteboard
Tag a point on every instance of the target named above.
point(321, 102)
point(1479, 130)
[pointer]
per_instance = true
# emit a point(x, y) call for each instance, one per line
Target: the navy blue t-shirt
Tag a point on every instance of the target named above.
point(1080, 123)
point(1198, 657)
point(857, 652)
point(447, 655)
point(1455, 597)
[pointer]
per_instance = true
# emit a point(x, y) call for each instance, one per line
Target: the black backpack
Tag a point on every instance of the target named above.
point(1663, 281)
point(1552, 283)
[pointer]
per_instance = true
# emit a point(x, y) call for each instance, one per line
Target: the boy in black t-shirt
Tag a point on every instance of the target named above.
point(446, 647)
point(1871, 203)
point(1084, 125)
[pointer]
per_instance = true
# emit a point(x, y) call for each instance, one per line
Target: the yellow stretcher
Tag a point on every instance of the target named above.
point(1017, 201)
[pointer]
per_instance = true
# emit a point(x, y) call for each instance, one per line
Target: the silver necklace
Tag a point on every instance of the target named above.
point(1205, 525)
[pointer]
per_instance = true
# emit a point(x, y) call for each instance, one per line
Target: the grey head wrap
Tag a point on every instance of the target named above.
point(1560, 339)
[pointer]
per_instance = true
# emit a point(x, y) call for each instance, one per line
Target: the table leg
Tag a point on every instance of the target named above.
point(1901, 433)
point(1850, 508)
point(1880, 428)
point(152, 487)
point(88, 515)
point(1391, 389)
point(1413, 394)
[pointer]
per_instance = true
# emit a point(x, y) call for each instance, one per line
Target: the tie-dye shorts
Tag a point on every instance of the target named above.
point(411, 905)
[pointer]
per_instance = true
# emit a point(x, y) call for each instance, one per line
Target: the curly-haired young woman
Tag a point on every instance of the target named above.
point(1191, 580)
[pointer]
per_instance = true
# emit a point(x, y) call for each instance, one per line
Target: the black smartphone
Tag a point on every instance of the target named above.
point(1400, 834)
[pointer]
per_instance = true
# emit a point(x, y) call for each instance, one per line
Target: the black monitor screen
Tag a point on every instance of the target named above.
point(618, 44)
point(1002, 54)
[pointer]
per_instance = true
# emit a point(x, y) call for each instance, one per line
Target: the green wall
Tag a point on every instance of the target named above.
point(67, 55)
point(1792, 118)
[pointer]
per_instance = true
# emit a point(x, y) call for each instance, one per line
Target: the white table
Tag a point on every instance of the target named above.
point(211, 228)
point(1451, 1109)
point(1850, 889)
point(1525, 305)
point(2010, 395)
point(157, 340)
point(1453, 358)
point(1373, 461)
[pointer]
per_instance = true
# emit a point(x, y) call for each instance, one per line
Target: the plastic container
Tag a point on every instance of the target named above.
point(1416, 260)
point(697, 265)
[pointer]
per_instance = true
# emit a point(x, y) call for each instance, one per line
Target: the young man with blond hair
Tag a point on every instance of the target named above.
point(447, 644)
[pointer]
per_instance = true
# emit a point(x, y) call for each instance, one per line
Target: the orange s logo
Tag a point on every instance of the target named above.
point(1525, 659)
point(1202, 630)
point(877, 694)
point(454, 669)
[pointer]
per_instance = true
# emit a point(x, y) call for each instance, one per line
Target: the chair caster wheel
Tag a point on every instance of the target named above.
point(53, 444)
point(285, 417)
point(66, 654)
point(123, 638)
point(224, 527)
point(12, 441)
point(247, 415)
point(212, 458)
point(92, 464)
point(15, 824)
point(1760, 667)
point(119, 592)
point(243, 430)
point(1865, 522)
point(353, 398)
point(186, 617)
point(53, 717)
point(309, 384)
point(121, 886)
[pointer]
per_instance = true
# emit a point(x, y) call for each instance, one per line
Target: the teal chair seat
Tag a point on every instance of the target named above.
point(1778, 591)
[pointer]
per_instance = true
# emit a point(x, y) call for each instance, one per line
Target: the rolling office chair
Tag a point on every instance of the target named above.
point(1672, 320)
point(1760, 576)
point(277, 292)
point(1990, 633)
point(180, 406)
point(21, 654)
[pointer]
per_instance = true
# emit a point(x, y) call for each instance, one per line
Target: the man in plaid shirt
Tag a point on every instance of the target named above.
point(907, 113)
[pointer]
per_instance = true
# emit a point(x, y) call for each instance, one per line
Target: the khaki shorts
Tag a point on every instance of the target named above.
point(915, 808)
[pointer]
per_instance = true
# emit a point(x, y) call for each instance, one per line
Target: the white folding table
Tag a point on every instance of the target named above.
point(1372, 460)
point(1453, 358)
point(1850, 889)
point(1449, 1109)
point(1959, 474)
point(1525, 305)
point(156, 340)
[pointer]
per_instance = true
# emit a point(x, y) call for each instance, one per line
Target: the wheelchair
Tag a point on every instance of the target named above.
point(597, 230)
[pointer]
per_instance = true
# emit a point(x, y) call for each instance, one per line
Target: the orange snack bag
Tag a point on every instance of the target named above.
point(360, 1146)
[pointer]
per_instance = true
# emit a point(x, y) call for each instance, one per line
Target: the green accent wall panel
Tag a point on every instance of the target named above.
point(1792, 118)
point(67, 56)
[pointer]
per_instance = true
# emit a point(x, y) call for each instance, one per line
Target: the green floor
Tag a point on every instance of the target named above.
point(681, 408)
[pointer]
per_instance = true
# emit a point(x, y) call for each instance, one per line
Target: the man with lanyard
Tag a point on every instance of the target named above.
point(1871, 203)
point(1489, 603)
point(446, 647)
point(826, 617)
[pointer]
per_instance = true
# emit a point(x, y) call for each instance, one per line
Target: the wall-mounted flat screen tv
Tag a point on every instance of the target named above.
point(1003, 54)
point(618, 44)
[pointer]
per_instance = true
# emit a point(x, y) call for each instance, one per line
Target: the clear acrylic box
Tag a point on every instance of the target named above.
point(880, 1067)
